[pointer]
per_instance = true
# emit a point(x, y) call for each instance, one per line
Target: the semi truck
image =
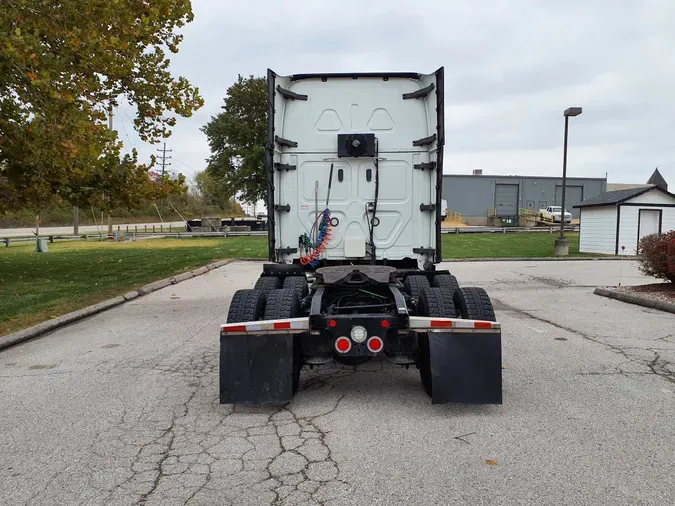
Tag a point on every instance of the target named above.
point(354, 165)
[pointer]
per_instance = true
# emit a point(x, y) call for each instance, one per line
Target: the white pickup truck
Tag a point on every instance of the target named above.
point(552, 213)
point(444, 209)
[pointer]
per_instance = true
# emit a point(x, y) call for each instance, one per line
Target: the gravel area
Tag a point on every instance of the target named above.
point(657, 291)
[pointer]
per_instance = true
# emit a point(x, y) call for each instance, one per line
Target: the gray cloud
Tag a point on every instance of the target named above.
point(512, 67)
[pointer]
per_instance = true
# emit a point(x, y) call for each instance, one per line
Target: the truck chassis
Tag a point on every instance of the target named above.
point(351, 314)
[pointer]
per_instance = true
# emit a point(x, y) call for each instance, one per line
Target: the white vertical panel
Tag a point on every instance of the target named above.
point(598, 230)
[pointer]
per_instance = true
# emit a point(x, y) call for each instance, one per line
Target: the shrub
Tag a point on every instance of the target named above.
point(656, 255)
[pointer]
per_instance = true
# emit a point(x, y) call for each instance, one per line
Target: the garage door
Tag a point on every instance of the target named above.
point(506, 199)
point(573, 196)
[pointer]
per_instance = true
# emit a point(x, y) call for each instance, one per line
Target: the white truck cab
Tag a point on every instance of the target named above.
point(368, 150)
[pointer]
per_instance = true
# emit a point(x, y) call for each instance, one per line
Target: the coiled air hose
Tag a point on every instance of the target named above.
point(323, 235)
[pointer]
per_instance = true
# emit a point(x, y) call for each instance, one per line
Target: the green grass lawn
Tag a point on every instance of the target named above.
point(74, 274)
point(37, 286)
point(512, 245)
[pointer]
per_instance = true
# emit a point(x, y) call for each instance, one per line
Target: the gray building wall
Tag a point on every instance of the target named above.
point(472, 196)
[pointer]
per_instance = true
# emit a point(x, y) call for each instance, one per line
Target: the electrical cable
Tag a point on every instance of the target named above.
point(377, 190)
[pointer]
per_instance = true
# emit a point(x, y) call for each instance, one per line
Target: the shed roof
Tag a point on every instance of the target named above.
point(619, 196)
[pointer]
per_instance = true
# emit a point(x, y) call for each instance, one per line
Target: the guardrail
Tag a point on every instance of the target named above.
point(508, 230)
point(7, 241)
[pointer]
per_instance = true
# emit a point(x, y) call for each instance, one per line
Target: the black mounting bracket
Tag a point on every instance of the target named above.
point(425, 142)
point(286, 142)
point(425, 166)
point(419, 93)
point(286, 208)
point(287, 251)
point(424, 251)
point(290, 94)
point(427, 207)
point(284, 166)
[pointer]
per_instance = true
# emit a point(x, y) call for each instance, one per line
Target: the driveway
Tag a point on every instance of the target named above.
point(123, 408)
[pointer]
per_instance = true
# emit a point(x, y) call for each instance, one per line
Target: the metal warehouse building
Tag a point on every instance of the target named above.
point(476, 196)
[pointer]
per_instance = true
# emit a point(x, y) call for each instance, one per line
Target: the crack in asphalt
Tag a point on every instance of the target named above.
point(657, 366)
point(186, 448)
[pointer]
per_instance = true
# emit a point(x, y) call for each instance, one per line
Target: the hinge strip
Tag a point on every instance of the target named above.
point(424, 251)
point(286, 142)
point(290, 95)
point(419, 93)
point(425, 166)
point(284, 166)
point(425, 142)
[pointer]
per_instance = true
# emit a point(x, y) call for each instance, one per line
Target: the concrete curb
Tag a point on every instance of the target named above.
point(540, 259)
point(638, 300)
point(66, 319)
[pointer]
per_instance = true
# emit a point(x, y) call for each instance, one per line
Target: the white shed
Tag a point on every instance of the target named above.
point(621, 218)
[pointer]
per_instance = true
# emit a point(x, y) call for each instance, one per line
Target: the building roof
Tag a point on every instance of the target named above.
point(619, 196)
point(516, 176)
point(657, 179)
point(625, 186)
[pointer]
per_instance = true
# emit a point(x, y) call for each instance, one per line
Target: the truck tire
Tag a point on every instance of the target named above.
point(446, 280)
point(246, 306)
point(474, 304)
point(285, 303)
point(436, 301)
point(298, 284)
point(415, 285)
point(281, 303)
point(267, 283)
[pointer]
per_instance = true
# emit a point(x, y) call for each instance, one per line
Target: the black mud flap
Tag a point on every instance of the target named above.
point(466, 367)
point(256, 369)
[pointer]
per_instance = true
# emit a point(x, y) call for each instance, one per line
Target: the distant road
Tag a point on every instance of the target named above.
point(84, 229)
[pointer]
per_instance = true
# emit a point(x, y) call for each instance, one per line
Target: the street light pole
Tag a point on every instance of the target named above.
point(561, 244)
point(564, 180)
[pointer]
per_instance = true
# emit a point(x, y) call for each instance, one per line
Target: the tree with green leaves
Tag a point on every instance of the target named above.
point(63, 65)
point(238, 137)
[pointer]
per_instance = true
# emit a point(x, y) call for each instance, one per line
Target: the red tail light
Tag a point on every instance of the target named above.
point(343, 344)
point(332, 323)
point(375, 344)
point(384, 324)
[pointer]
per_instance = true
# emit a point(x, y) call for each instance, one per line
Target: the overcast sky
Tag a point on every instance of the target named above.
point(512, 67)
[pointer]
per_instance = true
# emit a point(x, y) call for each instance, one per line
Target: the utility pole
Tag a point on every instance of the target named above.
point(164, 165)
point(110, 125)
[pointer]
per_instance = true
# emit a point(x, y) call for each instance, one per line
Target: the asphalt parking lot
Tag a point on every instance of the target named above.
point(123, 408)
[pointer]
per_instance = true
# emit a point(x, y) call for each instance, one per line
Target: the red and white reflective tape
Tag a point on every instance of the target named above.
point(422, 323)
point(285, 326)
point(417, 324)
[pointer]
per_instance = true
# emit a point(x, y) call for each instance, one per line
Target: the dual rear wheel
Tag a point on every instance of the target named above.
point(469, 303)
point(274, 304)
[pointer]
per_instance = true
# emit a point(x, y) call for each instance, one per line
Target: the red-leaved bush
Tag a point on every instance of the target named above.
point(656, 255)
